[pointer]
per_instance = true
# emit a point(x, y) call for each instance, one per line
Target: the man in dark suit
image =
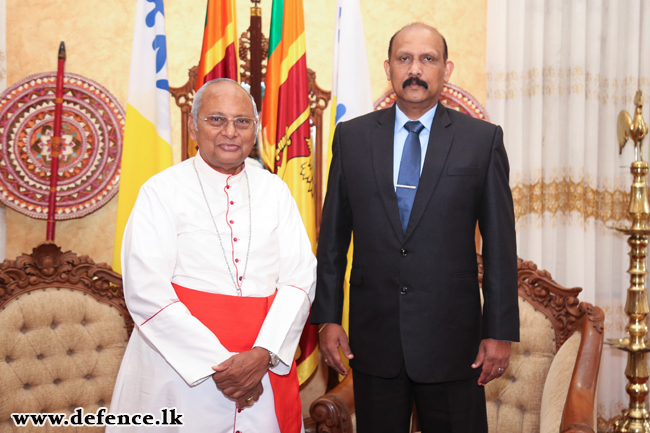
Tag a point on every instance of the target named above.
point(411, 182)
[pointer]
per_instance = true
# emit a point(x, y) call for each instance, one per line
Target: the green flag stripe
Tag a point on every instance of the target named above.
point(277, 17)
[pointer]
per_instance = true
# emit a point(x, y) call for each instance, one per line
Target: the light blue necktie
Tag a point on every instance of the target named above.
point(409, 172)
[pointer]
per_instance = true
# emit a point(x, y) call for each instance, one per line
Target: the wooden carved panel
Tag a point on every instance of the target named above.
point(245, 56)
point(184, 96)
point(48, 266)
point(559, 304)
point(331, 414)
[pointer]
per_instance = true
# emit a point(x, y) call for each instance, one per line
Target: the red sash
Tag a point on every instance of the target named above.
point(236, 321)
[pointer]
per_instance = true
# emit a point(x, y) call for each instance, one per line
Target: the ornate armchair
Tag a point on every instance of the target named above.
point(550, 385)
point(64, 327)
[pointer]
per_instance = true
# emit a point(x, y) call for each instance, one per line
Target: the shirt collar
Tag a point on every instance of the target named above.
point(426, 119)
point(216, 175)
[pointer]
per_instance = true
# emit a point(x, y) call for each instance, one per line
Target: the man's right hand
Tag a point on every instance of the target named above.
point(330, 338)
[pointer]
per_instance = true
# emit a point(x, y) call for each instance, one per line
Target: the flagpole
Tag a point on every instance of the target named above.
point(56, 145)
point(256, 53)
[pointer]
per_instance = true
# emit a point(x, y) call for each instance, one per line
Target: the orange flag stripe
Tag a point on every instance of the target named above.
point(221, 13)
point(281, 64)
point(219, 35)
point(217, 51)
point(270, 107)
point(295, 51)
point(293, 98)
point(294, 22)
point(216, 55)
point(288, 52)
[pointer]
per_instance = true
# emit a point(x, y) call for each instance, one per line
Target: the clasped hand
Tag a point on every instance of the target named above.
point(240, 377)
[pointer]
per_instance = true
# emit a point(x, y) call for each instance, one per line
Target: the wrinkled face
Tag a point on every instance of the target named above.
point(224, 149)
point(417, 69)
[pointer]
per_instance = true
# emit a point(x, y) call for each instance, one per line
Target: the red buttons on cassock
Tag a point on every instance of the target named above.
point(236, 260)
point(232, 202)
point(235, 239)
point(232, 222)
point(227, 186)
point(239, 410)
point(241, 278)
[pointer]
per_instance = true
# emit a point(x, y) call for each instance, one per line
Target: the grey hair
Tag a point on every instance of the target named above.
point(196, 104)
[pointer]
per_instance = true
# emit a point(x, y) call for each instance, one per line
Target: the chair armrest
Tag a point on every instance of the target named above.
point(332, 411)
point(578, 415)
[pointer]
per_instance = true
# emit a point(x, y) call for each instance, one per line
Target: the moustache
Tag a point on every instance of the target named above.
point(415, 80)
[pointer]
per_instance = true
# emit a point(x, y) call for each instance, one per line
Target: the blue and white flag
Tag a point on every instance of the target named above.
point(351, 94)
point(351, 89)
point(147, 136)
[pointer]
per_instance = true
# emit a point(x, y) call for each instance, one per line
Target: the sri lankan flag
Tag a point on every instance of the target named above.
point(287, 146)
point(219, 50)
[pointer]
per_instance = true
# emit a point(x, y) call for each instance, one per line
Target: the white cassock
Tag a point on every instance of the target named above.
point(170, 237)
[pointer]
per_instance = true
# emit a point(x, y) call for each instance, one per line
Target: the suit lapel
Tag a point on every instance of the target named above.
point(382, 161)
point(440, 141)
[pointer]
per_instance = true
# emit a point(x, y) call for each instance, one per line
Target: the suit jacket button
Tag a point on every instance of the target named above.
point(403, 252)
point(403, 290)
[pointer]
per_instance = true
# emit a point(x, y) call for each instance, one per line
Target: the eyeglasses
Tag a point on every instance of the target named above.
point(241, 123)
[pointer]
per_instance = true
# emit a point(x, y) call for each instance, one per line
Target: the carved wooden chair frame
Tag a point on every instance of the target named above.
point(331, 412)
point(48, 267)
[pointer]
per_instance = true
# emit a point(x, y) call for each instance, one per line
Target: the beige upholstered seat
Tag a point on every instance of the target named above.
point(515, 398)
point(550, 385)
point(559, 353)
point(63, 331)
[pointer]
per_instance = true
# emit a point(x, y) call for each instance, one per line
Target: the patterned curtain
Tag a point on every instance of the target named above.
point(558, 73)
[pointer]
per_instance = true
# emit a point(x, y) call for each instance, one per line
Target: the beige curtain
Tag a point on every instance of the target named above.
point(558, 73)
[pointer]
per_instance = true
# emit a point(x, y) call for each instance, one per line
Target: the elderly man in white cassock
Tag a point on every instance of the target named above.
point(219, 277)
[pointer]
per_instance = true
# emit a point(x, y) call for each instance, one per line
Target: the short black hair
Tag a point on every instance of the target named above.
point(444, 41)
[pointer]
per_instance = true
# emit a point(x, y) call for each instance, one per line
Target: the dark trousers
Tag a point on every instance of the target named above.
point(385, 405)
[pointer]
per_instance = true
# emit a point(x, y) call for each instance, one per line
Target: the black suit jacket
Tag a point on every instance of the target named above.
point(414, 296)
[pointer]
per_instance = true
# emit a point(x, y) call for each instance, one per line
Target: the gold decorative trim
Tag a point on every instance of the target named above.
point(566, 196)
point(551, 81)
